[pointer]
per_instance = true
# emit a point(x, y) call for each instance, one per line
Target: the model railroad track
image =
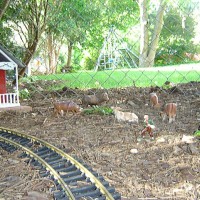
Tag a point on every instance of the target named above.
point(73, 179)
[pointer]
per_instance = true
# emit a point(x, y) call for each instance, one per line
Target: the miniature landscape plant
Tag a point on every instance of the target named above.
point(99, 110)
point(197, 133)
point(24, 94)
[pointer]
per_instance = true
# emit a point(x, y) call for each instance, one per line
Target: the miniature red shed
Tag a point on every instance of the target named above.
point(8, 62)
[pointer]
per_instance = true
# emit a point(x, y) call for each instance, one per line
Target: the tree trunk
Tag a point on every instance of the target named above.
point(56, 55)
point(144, 40)
point(50, 53)
point(28, 55)
point(156, 34)
point(148, 51)
point(53, 53)
point(3, 8)
point(33, 29)
point(68, 67)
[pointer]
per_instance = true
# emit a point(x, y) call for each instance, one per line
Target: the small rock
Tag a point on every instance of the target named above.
point(63, 139)
point(160, 140)
point(109, 173)
point(34, 114)
point(134, 151)
point(77, 122)
point(105, 154)
point(114, 142)
point(18, 196)
point(12, 161)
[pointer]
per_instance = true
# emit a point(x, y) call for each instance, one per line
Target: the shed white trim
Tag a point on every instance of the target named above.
point(8, 65)
point(9, 100)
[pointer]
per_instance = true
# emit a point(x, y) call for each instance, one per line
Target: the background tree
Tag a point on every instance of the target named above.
point(176, 39)
point(3, 6)
point(149, 45)
point(122, 15)
point(79, 18)
point(177, 36)
point(29, 19)
point(76, 29)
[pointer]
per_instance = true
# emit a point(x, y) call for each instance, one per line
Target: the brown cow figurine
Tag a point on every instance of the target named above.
point(95, 99)
point(66, 106)
point(169, 110)
point(154, 100)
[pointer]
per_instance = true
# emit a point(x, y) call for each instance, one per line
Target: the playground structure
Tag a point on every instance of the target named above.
point(115, 53)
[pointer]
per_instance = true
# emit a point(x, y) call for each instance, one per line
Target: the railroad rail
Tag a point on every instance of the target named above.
point(74, 180)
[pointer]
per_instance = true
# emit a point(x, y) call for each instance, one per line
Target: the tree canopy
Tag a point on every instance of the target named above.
point(70, 33)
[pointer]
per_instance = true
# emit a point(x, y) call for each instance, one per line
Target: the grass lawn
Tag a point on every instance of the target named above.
point(141, 77)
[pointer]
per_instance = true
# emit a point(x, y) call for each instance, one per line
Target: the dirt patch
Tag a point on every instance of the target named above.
point(163, 168)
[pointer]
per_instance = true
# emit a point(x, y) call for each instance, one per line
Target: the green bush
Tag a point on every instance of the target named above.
point(99, 110)
point(24, 94)
point(197, 133)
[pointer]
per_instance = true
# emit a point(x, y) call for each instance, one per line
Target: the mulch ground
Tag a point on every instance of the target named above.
point(167, 167)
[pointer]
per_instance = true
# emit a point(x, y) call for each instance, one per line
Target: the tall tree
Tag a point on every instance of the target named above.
point(30, 23)
point(30, 20)
point(54, 44)
point(79, 16)
point(148, 47)
point(177, 38)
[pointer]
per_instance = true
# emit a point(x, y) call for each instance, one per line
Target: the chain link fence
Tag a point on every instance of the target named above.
point(67, 48)
point(67, 45)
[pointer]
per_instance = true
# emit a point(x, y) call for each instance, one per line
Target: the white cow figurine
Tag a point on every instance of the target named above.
point(125, 116)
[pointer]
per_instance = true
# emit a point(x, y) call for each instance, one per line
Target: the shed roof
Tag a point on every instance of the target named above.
point(9, 57)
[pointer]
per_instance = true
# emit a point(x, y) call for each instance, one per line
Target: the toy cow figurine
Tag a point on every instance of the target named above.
point(154, 100)
point(66, 106)
point(169, 110)
point(125, 116)
point(95, 99)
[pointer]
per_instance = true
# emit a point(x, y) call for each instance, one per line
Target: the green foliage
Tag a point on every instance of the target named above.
point(91, 59)
point(176, 38)
point(30, 79)
point(61, 62)
point(24, 94)
point(6, 35)
point(99, 110)
point(197, 133)
point(166, 87)
point(85, 24)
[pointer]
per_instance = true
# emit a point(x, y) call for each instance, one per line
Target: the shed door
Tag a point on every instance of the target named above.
point(2, 81)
